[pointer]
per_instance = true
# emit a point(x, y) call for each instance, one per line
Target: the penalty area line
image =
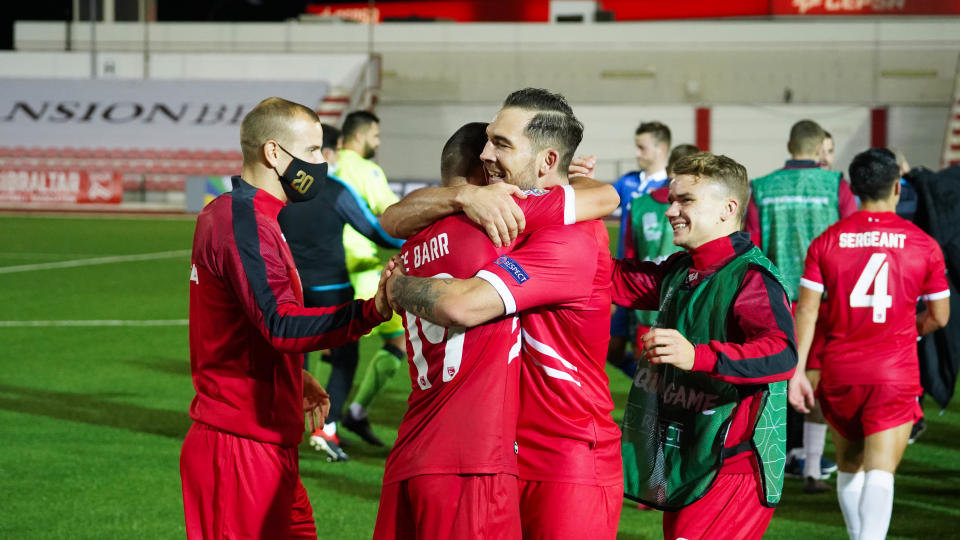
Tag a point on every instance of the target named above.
point(29, 324)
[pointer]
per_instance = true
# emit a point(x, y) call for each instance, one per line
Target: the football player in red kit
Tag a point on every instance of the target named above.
point(248, 329)
point(567, 443)
point(452, 471)
point(447, 458)
point(873, 266)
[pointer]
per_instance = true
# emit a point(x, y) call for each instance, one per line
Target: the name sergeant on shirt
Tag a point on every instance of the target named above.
point(872, 239)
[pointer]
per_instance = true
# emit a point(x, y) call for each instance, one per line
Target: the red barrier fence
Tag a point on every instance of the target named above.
point(36, 185)
point(626, 10)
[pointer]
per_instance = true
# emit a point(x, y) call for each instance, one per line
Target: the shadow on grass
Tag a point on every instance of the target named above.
point(169, 366)
point(940, 433)
point(342, 484)
point(101, 409)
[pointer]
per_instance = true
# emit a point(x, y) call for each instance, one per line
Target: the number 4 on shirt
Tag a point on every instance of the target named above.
point(876, 272)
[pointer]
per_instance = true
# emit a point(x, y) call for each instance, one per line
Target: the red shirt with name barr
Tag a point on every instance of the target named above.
point(461, 415)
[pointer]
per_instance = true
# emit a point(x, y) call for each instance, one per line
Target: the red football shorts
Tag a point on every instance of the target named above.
point(449, 506)
point(859, 410)
point(731, 509)
point(553, 510)
point(241, 488)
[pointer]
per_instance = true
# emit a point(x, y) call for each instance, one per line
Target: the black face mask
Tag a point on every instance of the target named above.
point(302, 179)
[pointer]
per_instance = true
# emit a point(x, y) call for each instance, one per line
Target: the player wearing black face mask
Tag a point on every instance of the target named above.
point(314, 232)
point(248, 330)
point(301, 181)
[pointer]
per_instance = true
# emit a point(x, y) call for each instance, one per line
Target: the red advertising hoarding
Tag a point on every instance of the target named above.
point(60, 186)
point(647, 10)
point(625, 10)
point(452, 10)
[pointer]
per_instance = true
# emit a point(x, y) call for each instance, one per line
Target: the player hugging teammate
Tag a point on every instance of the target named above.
point(504, 287)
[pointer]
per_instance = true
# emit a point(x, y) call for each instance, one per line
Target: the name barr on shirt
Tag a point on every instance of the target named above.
point(872, 239)
point(429, 250)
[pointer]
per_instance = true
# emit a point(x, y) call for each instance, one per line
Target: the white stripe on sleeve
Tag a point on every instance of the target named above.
point(812, 285)
point(936, 296)
point(509, 304)
point(569, 205)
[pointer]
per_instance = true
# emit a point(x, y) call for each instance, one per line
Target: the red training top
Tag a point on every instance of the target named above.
point(762, 346)
point(248, 324)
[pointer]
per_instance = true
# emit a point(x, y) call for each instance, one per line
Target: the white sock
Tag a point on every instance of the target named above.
point(814, 437)
point(330, 429)
point(358, 411)
point(849, 489)
point(876, 505)
point(795, 453)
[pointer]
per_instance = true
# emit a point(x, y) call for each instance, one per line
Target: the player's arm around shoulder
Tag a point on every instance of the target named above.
point(448, 302)
point(492, 207)
point(594, 199)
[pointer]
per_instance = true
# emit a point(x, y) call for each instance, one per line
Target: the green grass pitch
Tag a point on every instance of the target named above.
point(92, 417)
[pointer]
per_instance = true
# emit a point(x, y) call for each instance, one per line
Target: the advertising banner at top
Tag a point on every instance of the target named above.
point(200, 115)
point(623, 10)
point(866, 7)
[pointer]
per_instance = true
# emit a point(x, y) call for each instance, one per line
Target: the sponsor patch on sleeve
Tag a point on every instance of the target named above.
point(513, 268)
point(536, 192)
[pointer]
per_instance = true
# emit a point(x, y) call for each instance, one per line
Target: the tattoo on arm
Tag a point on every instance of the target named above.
point(419, 295)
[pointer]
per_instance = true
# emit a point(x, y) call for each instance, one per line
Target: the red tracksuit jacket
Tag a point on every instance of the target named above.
point(248, 324)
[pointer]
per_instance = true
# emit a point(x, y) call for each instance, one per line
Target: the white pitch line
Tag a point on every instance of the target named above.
point(20, 324)
point(96, 260)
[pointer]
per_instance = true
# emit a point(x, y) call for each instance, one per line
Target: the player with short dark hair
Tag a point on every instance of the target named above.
point(873, 266)
point(806, 138)
point(358, 124)
point(442, 462)
point(248, 329)
point(567, 443)
point(658, 130)
point(553, 126)
point(704, 422)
